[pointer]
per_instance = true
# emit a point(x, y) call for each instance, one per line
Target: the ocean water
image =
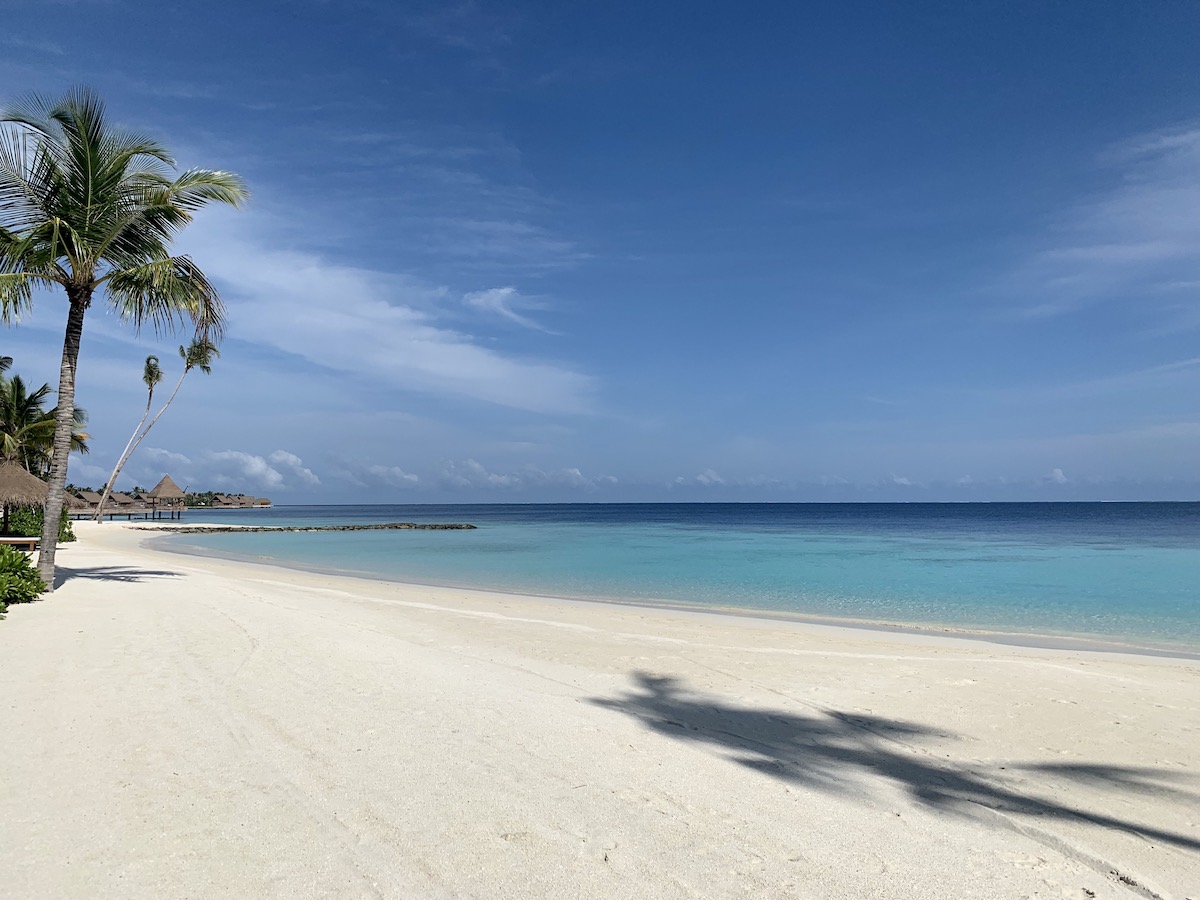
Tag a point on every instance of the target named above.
point(1116, 572)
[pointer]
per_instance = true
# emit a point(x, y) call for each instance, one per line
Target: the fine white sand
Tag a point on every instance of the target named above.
point(184, 727)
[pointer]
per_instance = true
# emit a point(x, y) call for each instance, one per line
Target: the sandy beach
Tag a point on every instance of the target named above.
point(187, 727)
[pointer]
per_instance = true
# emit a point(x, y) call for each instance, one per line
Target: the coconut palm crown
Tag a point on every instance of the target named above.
point(91, 209)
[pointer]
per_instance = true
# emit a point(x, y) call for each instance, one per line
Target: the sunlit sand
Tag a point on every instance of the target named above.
point(185, 727)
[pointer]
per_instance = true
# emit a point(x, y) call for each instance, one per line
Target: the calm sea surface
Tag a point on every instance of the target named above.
point(1126, 572)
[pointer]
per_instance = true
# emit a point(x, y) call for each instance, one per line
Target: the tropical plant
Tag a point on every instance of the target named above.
point(90, 209)
point(27, 429)
point(19, 580)
point(196, 355)
point(26, 521)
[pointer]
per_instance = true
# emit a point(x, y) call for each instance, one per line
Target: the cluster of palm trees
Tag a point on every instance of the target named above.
point(89, 211)
point(27, 427)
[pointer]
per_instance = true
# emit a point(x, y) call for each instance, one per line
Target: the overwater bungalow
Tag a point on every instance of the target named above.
point(166, 499)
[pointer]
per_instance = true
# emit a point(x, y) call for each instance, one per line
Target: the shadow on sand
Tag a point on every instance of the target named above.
point(110, 573)
point(830, 750)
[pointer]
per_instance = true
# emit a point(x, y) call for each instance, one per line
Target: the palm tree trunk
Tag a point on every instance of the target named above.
point(136, 441)
point(158, 415)
point(64, 424)
point(122, 459)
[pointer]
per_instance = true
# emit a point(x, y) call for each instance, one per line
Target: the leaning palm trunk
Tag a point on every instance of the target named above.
point(197, 355)
point(151, 375)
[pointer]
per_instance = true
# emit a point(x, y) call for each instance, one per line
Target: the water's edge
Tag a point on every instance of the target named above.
point(174, 544)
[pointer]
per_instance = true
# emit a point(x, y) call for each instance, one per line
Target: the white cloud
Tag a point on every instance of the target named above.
point(394, 476)
point(82, 473)
point(503, 302)
point(472, 474)
point(1141, 234)
point(381, 327)
point(164, 457)
point(1056, 476)
point(238, 470)
point(707, 478)
point(902, 480)
point(294, 466)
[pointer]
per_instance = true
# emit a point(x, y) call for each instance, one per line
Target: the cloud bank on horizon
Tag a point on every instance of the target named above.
point(510, 254)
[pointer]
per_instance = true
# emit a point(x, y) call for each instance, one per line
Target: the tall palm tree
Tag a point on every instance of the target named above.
point(89, 208)
point(196, 355)
point(151, 376)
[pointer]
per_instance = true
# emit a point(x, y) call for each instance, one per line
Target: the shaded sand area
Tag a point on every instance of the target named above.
point(184, 727)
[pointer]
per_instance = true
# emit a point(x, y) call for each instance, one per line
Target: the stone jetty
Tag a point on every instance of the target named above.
point(385, 526)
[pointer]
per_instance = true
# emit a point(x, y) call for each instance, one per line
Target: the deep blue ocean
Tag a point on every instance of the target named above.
point(1117, 572)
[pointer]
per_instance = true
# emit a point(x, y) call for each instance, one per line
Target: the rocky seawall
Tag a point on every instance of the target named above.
point(386, 526)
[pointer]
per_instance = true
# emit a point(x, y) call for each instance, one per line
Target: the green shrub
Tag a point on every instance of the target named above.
point(26, 521)
point(19, 580)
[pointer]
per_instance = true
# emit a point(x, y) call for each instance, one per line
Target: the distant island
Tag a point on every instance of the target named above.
point(213, 500)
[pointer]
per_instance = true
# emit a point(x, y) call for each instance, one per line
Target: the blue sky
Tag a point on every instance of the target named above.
point(672, 251)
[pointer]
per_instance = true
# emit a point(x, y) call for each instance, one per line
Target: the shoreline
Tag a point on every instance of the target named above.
point(179, 725)
point(1035, 640)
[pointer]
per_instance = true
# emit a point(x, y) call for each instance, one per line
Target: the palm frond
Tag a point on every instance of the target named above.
point(152, 373)
point(166, 292)
point(196, 187)
point(199, 354)
point(16, 296)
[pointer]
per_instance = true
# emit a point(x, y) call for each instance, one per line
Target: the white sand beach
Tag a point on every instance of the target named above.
point(183, 727)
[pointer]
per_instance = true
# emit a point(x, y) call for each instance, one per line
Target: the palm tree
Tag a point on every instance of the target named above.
point(196, 355)
point(151, 376)
point(89, 208)
point(27, 429)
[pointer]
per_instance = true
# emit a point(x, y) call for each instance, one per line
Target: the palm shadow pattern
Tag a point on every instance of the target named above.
point(831, 750)
point(127, 574)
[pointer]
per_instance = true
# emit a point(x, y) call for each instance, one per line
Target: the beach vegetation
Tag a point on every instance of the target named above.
point(27, 521)
point(19, 580)
point(196, 355)
point(88, 210)
point(27, 427)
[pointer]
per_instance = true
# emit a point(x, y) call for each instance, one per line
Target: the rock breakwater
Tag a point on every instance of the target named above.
point(229, 529)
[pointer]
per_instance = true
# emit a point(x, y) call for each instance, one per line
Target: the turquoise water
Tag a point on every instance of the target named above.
point(1128, 573)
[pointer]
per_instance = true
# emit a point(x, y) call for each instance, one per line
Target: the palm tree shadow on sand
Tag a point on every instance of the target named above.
point(128, 574)
point(831, 750)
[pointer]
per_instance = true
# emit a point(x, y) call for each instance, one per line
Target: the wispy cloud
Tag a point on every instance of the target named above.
point(468, 473)
point(37, 45)
point(1138, 236)
point(504, 302)
point(464, 25)
point(386, 328)
point(1179, 374)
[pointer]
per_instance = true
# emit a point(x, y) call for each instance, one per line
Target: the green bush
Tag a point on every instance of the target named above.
point(19, 580)
point(26, 521)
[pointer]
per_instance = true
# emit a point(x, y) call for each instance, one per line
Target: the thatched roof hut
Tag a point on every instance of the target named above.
point(166, 489)
point(19, 488)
